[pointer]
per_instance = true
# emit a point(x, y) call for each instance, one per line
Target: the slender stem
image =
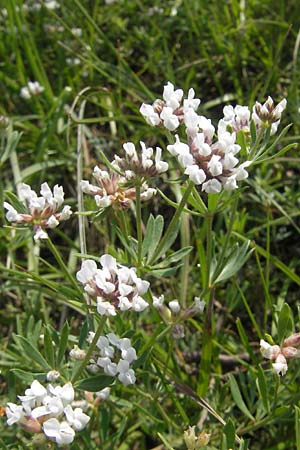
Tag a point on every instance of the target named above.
point(90, 350)
point(139, 223)
point(173, 222)
point(62, 265)
point(209, 221)
point(81, 218)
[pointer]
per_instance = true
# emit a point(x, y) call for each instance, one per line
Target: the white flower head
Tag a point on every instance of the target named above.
point(61, 432)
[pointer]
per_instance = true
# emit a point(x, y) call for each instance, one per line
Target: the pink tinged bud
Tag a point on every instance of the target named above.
point(31, 425)
point(290, 352)
point(293, 340)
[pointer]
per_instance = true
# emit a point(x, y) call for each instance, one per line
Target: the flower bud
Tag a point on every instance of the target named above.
point(30, 424)
point(203, 439)
point(290, 352)
point(292, 341)
point(190, 438)
point(53, 375)
point(77, 353)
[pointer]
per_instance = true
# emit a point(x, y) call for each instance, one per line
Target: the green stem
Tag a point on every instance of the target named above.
point(209, 221)
point(207, 346)
point(62, 265)
point(173, 222)
point(90, 350)
point(139, 223)
point(81, 218)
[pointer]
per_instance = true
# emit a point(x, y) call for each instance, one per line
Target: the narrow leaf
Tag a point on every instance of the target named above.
point(63, 343)
point(32, 353)
point(237, 397)
point(285, 323)
point(95, 384)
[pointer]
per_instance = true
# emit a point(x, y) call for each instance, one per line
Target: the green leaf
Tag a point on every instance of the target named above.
point(148, 236)
point(32, 353)
point(11, 145)
point(229, 432)
point(63, 343)
point(285, 323)
point(48, 347)
point(234, 262)
point(170, 240)
point(237, 397)
point(28, 377)
point(262, 388)
point(176, 256)
point(157, 230)
point(95, 384)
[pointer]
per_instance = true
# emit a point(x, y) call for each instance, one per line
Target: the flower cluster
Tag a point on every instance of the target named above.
point(112, 190)
point(268, 114)
point(194, 442)
point(114, 286)
point(210, 158)
point(42, 211)
point(281, 354)
point(48, 410)
point(170, 111)
point(33, 88)
point(140, 163)
point(108, 360)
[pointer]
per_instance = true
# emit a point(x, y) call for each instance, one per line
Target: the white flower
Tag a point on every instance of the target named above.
point(40, 234)
point(171, 121)
point(35, 393)
point(191, 101)
point(139, 304)
point(161, 166)
point(158, 302)
point(204, 149)
point(105, 308)
point(215, 166)
point(269, 351)
point(76, 418)
point(172, 97)
point(126, 375)
point(12, 215)
point(150, 115)
point(174, 306)
point(212, 186)
point(195, 174)
point(199, 305)
point(280, 366)
point(87, 272)
point(32, 88)
point(60, 431)
point(14, 413)
point(52, 222)
point(104, 393)
point(66, 213)
point(65, 393)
